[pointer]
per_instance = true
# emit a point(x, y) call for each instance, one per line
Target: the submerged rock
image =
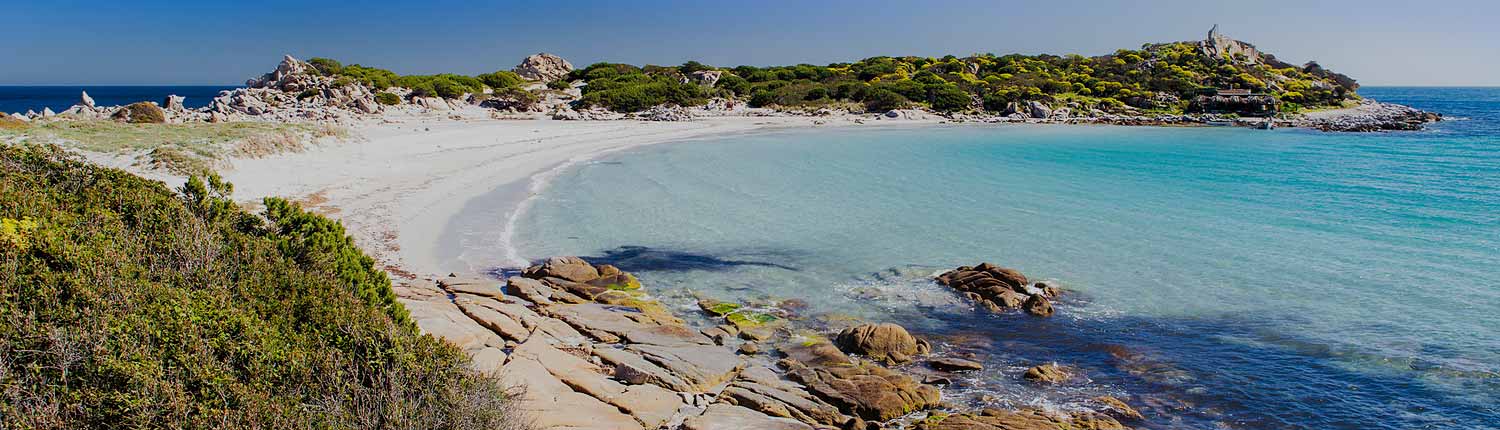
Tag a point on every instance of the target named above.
point(954, 364)
point(998, 288)
point(1051, 373)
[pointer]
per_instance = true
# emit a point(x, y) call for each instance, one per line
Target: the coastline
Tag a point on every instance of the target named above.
point(400, 186)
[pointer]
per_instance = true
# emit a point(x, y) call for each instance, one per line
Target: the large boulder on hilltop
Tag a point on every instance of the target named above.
point(543, 67)
point(86, 101)
point(705, 78)
point(885, 342)
point(290, 75)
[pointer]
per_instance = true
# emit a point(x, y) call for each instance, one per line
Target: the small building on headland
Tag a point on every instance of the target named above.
point(1237, 101)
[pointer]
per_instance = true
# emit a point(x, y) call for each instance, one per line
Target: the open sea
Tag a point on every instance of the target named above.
point(61, 97)
point(1218, 277)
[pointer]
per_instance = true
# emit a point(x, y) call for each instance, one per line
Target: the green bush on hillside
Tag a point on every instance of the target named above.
point(126, 305)
point(387, 99)
point(501, 79)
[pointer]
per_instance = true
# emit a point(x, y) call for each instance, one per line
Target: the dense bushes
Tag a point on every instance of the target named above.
point(501, 79)
point(125, 305)
point(445, 85)
point(627, 88)
point(1156, 77)
point(387, 99)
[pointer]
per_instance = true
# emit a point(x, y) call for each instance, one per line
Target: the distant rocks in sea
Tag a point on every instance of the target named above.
point(997, 289)
point(1371, 116)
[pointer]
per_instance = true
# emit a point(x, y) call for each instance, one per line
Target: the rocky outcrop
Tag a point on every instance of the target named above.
point(859, 388)
point(950, 364)
point(664, 113)
point(295, 91)
point(86, 101)
point(1370, 116)
point(1223, 48)
point(543, 67)
point(1038, 109)
point(705, 78)
point(996, 419)
point(888, 343)
point(593, 351)
point(173, 103)
point(998, 288)
point(1051, 373)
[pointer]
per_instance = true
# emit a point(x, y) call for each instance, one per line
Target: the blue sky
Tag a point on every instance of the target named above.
point(1455, 42)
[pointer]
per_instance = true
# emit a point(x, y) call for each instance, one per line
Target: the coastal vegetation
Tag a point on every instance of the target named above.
point(1160, 78)
point(445, 85)
point(125, 304)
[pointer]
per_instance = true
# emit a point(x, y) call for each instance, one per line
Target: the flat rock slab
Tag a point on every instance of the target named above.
point(631, 367)
point(551, 404)
point(443, 319)
point(704, 366)
point(492, 319)
point(649, 404)
point(950, 364)
point(469, 285)
point(613, 324)
point(722, 416)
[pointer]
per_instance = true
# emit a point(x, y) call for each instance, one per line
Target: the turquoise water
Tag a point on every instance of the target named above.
point(1222, 277)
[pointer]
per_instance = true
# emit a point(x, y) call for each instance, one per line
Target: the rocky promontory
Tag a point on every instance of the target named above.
point(595, 350)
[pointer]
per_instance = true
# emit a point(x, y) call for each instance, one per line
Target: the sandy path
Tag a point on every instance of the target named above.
point(398, 186)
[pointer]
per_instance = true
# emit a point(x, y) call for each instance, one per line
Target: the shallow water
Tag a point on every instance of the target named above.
point(1225, 277)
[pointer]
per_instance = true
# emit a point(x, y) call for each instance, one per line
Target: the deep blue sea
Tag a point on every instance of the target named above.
point(62, 97)
point(1218, 277)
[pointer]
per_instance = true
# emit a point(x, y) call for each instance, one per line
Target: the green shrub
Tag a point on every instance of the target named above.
point(560, 84)
point(501, 79)
point(141, 113)
point(387, 99)
point(326, 66)
point(949, 98)
point(131, 306)
point(882, 99)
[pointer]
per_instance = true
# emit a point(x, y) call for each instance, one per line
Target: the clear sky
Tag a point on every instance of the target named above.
point(1379, 42)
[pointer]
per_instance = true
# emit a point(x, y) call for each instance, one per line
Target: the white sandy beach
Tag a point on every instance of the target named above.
point(397, 186)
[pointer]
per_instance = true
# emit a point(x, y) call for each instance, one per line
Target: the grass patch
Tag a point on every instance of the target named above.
point(188, 148)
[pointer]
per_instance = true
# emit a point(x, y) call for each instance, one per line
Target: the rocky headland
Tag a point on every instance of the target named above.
point(593, 349)
point(543, 86)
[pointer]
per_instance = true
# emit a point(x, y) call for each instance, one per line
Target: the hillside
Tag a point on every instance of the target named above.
point(1168, 78)
point(126, 305)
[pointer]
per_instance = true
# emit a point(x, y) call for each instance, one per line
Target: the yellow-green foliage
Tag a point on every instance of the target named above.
point(1126, 77)
point(16, 233)
point(131, 306)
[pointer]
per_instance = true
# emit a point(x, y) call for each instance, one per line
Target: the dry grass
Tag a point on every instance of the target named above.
point(9, 123)
point(179, 148)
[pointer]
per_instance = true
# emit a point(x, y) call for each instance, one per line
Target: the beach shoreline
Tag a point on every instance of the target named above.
point(401, 182)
